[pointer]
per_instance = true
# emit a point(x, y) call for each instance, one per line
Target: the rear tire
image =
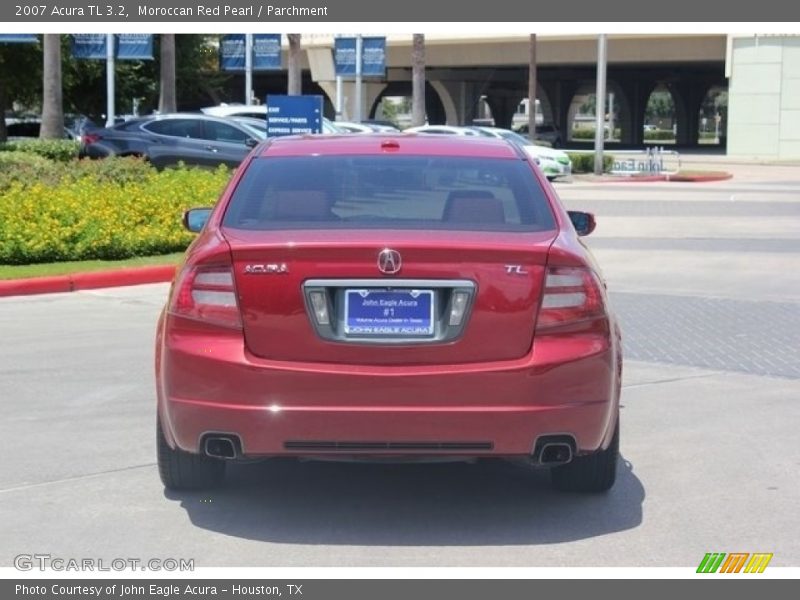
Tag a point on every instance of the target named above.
point(181, 470)
point(594, 473)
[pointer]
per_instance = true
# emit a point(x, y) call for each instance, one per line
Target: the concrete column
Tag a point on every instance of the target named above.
point(635, 93)
point(460, 99)
point(688, 96)
point(503, 105)
point(372, 90)
point(560, 94)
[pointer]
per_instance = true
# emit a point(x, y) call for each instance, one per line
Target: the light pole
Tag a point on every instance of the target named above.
point(359, 68)
point(248, 68)
point(110, 109)
point(600, 102)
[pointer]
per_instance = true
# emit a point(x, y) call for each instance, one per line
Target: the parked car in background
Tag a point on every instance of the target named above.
point(554, 163)
point(385, 297)
point(255, 111)
point(546, 132)
point(445, 130)
point(29, 126)
point(166, 140)
point(364, 127)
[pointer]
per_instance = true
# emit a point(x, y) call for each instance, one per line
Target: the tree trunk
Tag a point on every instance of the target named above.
point(3, 130)
point(167, 101)
point(532, 89)
point(52, 98)
point(418, 81)
point(295, 74)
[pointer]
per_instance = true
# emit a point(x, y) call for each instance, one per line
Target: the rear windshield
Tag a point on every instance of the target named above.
point(389, 192)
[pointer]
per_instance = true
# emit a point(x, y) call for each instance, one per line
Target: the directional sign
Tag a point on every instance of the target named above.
point(293, 115)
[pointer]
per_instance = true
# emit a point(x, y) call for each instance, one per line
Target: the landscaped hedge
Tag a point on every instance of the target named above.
point(109, 209)
point(57, 150)
point(659, 134)
point(584, 162)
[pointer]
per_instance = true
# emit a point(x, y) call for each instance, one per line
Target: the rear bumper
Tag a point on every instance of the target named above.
point(209, 383)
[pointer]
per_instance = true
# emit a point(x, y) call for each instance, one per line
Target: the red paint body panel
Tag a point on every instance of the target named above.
point(276, 381)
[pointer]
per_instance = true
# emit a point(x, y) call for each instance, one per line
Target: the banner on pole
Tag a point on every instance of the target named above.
point(266, 52)
point(89, 46)
point(18, 38)
point(373, 56)
point(135, 46)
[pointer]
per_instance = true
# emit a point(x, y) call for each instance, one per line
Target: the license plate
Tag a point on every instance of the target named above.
point(388, 312)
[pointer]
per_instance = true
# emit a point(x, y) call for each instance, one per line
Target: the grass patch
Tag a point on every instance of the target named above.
point(81, 266)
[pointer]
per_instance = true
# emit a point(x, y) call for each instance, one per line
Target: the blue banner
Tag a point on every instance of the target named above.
point(18, 38)
point(231, 52)
point(135, 46)
point(373, 56)
point(266, 51)
point(293, 115)
point(89, 45)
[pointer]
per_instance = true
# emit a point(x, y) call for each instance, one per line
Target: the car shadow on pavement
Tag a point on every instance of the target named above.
point(455, 504)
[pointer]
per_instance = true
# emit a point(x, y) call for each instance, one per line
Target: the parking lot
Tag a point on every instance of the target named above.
point(704, 278)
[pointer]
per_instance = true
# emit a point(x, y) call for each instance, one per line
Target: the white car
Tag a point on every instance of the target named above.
point(554, 163)
point(254, 111)
point(352, 127)
point(445, 130)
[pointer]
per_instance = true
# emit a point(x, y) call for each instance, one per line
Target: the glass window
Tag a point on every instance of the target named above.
point(222, 132)
point(185, 128)
point(389, 192)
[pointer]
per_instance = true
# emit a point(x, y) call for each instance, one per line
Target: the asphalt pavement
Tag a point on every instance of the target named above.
point(704, 278)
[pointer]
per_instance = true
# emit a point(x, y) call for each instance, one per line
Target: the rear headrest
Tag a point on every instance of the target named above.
point(473, 206)
point(302, 205)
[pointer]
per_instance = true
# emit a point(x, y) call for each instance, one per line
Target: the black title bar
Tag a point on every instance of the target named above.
point(359, 11)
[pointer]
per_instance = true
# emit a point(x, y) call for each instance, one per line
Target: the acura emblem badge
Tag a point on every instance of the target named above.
point(389, 261)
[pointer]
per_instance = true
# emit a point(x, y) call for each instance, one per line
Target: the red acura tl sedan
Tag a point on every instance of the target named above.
point(392, 297)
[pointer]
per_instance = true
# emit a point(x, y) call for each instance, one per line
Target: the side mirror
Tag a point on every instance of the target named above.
point(251, 142)
point(583, 222)
point(195, 219)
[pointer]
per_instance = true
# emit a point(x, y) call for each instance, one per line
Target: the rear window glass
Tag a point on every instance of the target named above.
point(389, 192)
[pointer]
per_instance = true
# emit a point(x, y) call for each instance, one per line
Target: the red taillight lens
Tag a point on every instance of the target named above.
point(571, 295)
point(207, 294)
point(90, 138)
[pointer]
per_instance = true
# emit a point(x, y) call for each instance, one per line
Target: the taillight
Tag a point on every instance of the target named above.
point(90, 138)
point(571, 295)
point(208, 294)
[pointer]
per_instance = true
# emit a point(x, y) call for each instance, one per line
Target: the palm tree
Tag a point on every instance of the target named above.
point(52, 94)
point(418, 80)
point(295, 85)
point(167, 101)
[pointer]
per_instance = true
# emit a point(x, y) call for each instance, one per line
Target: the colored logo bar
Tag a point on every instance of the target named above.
point(735, 562)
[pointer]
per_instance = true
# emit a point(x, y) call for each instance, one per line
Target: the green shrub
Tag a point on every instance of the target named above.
point(659, 134)
point(584, 162)
point(29, 169)
point(25, 168)
point(91, 216)
point(583, 134)
point(57, 150)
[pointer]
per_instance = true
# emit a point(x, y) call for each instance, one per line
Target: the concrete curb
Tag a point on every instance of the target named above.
point(87, 281)
point(668, 178)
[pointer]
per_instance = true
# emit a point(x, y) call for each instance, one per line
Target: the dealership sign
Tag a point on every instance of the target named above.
point(293, 115)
